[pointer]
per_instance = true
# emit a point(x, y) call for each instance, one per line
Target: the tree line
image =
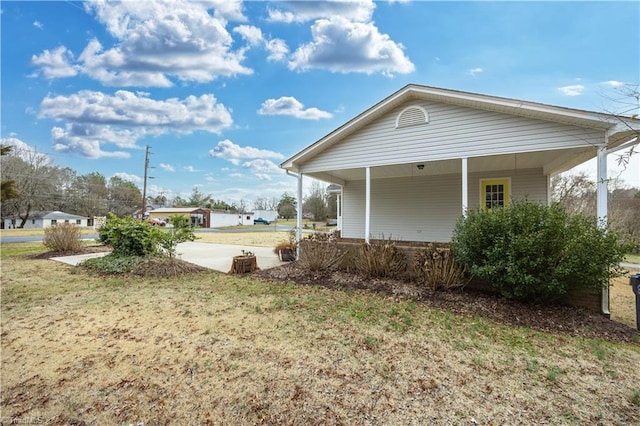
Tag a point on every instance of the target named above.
point(577, 193)
point(32, 183)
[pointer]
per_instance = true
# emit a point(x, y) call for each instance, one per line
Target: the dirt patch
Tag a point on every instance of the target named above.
point(159, 267)
point(557, 319)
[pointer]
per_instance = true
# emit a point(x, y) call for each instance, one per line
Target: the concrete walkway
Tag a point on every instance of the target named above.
point(213, 256)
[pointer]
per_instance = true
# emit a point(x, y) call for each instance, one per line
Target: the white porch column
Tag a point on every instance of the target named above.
point(299, 216)
point(465, 186)
point(601, 207)
point(367, 207)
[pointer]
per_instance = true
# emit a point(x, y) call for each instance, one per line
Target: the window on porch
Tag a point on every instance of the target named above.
point(494, 193)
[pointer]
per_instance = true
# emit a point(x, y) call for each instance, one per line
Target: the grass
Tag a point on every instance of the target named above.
point(36, 232)
point(221, 349)
point(632, 258)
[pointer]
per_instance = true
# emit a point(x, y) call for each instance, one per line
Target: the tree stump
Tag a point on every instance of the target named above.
point(244, 264)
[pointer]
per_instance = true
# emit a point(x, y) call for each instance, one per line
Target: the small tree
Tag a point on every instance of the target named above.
point(536, 253)
point(287, 206)
point(181, 232)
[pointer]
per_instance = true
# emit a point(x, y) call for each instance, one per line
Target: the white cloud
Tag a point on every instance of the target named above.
point(38, 24)
point(56, 63)
point(93, 118)
point(573, 90)
point(614, 83)
point(234, 153)
point(252, 34)
point(128, 177)
point(277, 49)
point(303, 11)
point(474, 71)
point(157, 41)
point(340, 45)
point(190, 169)
point(288, 105)
point(67, 140)
point(262, 169)
point(167, 167)
point(25, 151)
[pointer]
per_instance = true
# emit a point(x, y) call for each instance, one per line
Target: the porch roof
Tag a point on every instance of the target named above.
point(620, 129)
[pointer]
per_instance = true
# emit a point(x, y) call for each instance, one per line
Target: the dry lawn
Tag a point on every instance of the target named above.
point(258, 238)
point(215, 349)
point(622, 300)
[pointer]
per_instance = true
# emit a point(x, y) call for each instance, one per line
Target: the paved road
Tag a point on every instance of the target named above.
point(38, 238)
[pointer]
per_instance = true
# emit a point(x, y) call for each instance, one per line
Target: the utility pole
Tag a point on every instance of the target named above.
point(144, 187)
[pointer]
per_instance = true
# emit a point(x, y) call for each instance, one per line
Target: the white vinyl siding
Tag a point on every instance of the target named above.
point(407, 209)
point(425, 208)
point(452, 132)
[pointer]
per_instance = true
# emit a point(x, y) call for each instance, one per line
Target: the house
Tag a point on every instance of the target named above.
point(224, 218)
point(199, 217)
point(44, 219)
point(138, 214)
point(412, 164)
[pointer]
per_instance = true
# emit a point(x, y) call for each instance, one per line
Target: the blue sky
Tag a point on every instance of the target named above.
point(223, 91)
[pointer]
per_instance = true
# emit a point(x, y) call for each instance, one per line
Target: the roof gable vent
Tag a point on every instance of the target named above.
point(412, 116)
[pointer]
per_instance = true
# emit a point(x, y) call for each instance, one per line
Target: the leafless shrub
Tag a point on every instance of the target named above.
point(380, 259)
point(437, 268)
point(320, 252)
point(289, 244)
point(63, 237)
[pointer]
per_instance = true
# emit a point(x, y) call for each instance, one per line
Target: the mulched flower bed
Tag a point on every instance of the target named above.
point(558, 319)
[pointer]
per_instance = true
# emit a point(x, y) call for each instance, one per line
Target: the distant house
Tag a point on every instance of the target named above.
point(224, 218)
point(44, 219)
point(199, 217)
point(138, 213)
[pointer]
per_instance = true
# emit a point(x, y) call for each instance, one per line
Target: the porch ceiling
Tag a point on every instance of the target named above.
point(552, 162)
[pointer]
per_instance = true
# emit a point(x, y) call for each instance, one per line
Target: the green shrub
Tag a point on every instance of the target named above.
point(63, 237)
point(380, 259)
point(181, 231)
point(130, 237)
point(536, 253)
point(437, 268)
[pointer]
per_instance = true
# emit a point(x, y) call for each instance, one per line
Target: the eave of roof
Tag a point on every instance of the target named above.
point(511, 106)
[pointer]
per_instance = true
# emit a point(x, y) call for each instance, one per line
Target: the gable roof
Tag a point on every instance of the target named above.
point(620, 128)
point(55, 215)
point(175, 210)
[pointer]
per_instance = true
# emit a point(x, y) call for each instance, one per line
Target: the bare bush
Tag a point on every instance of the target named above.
point(63, 237)
point(381, 259)
point(320, 252)
point(437, 268)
